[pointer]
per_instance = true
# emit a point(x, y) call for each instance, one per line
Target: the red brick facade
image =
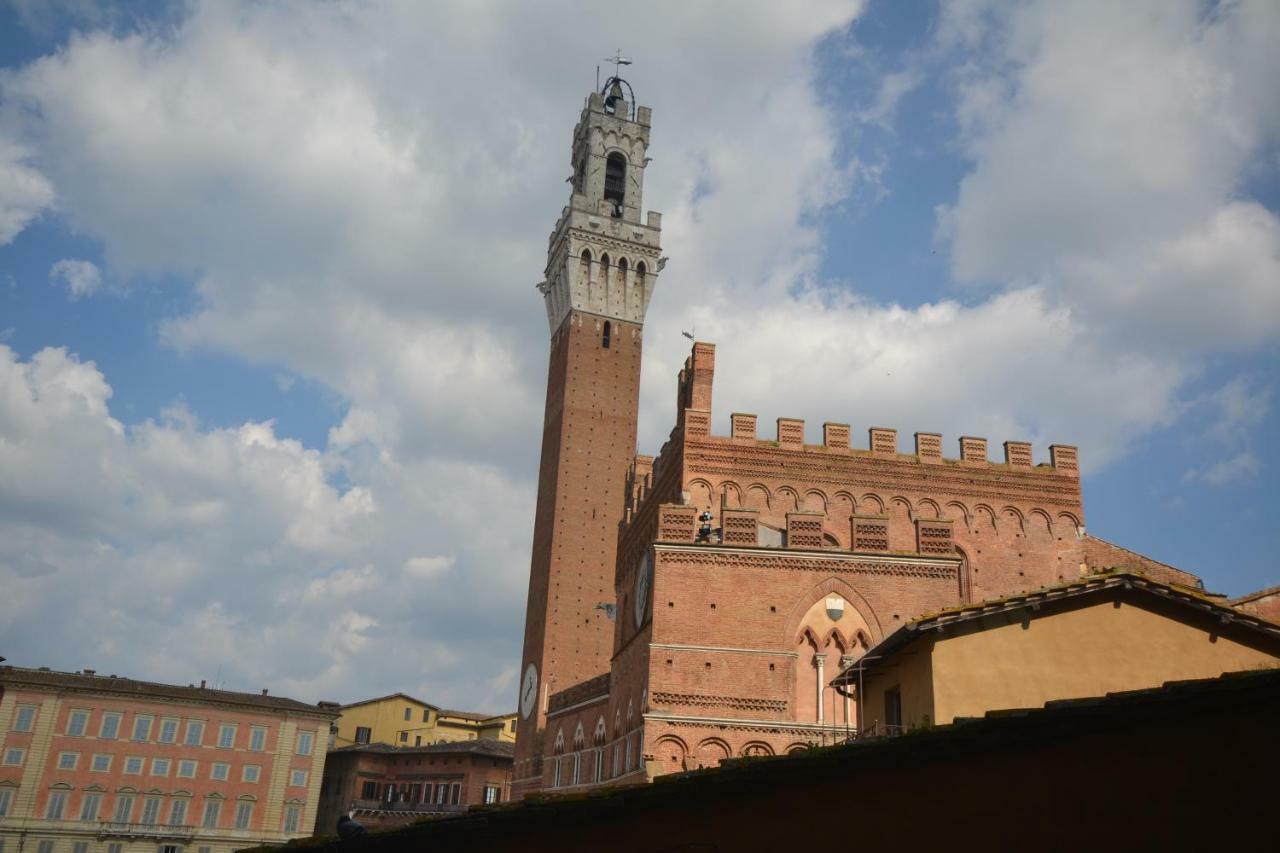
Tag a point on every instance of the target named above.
point(816, 553)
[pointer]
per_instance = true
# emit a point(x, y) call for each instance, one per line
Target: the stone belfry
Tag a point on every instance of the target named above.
point(602, 264)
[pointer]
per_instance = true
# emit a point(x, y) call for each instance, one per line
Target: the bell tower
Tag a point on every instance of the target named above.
point(602, 264)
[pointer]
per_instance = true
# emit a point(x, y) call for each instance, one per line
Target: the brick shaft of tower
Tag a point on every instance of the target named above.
point(602, 265)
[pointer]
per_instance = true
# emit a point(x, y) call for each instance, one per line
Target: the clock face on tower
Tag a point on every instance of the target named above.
point(528, 691)
point(644, 576)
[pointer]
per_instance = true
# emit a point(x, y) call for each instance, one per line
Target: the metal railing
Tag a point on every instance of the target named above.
point(413, 808)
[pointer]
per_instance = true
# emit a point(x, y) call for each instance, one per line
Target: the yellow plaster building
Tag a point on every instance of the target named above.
point(402, 720)
point(1106, 634)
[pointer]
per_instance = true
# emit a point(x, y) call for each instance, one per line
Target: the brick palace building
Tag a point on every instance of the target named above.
point(112, 764)
point(694, 606)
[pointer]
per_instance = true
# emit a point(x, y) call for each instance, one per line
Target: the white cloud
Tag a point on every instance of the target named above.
point(1239, 467)
point(24, 192)
point(81, 278)
point(362, 195)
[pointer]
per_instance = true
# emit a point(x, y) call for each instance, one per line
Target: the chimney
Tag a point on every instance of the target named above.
point(88, 671)
point(202, 684)
point(264, 691)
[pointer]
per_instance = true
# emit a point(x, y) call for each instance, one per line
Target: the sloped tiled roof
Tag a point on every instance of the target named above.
point(479, 746)
point(118, 686)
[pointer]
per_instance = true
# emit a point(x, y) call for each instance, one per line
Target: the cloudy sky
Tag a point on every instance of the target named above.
point(272, 361)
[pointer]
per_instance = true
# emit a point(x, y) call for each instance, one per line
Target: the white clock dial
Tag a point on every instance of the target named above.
point(644, 576)
point(529, 691)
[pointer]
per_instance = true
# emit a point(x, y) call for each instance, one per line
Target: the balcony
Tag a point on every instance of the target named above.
point(114, 829)
point(407, 808)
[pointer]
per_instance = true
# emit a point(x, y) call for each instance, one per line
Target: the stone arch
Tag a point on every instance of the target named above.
point(604, 261)
point(579, 737)
point(617, 716)
point(870, 504)
point(672, 752)
point(984, 510)
point(601, 732)
point(819, 591)
point(836, 635)
point(1042, 523)
point(758, 497)
point(700, 492)
point(756, 747)
point(712, 751)
point(788, 500)
point(963, 510)
point(797, 747)
point(1071, 519)
point(902, 532)
point(842, 506)
point(631, 712)
point(1015, 518)
point(559, 744)
point(730, 494)
point(815, 501)
point(831, 540)
point(928, 508)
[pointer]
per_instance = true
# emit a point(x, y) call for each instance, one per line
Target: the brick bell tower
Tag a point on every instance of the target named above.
point(602, 265)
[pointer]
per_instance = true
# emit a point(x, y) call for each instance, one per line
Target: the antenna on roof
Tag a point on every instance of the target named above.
point(690, 335)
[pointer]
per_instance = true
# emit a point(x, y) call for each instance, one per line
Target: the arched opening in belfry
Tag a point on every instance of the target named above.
point(608, 334)
point(615, 181)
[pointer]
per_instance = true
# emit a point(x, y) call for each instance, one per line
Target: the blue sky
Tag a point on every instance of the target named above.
point(273, 358)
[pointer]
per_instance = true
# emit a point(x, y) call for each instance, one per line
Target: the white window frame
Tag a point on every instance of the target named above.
point(142, 722)
point(150, 809)
point(244, 814)
point(195, 727)
point(68, 760)
point(123, 811)
point(186, 764)
point(161, 766)
point(251, 769)
point(74, 728)
point(98, 757)
point(14, 756)
point(30, 712)
point(168, 730)
point(141, 765)
point(225, 742)
point(292, 817)
point(212, 812)
point(295, 775)
point(306, 742)
point(213, 771)
point(115, 718)
point(178, 811)
point(91, 798)
point(56, 806)
point(6, 801)
point(257, 738)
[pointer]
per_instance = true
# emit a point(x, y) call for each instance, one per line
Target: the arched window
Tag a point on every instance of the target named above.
point(615, 181)
point(608, 334)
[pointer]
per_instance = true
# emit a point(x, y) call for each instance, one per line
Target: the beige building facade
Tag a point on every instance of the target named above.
point(401, 720)
point(1103, 634)
point(101, 764)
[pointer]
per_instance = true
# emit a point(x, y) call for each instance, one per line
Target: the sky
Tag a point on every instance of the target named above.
point(272, 360)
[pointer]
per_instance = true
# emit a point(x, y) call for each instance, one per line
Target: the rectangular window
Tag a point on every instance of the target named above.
point(142, 727)
point(363, 734)
point(404, 737)
point(257, 739)
point(219, 771)
point(490, 794)
point(14, 756)
point(178, 812)
point(110, 727)
point(68, 760)
point(417, 740)
point(80, 847)
point(150, 811)
point(305, 740)
point(292, 817)
point(407, 712)
point(56, 806)
point(298, 777)
point(101, 764)
point(251, 773)
point(6, 797)
point(45, 846)
point(212, 808)
point(77, 722)
point(133, 764)
point(25, 719)
point(186, 769)
point(369, 791)
point(90, 806)
point(115, 847)
point(160, 767)
point(455, 791)
point(170, 848)
point(426, 715)
point(244, 813)
point(442, 794)
point(168, 730)
point(203, 849)
point(124, 808)
point(226, 736)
